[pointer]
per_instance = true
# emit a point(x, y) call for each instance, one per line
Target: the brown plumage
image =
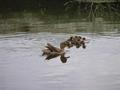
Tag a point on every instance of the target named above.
point(73, 41)
point(83, 43)
point(46, 52)
point(63, 58)
point(53, 52)
point(65, 44)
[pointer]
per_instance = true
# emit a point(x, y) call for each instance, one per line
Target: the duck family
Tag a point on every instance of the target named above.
point(52, 52)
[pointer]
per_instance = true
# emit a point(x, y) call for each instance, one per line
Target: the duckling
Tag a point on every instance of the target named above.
point(79, 41)
point(74, 41)
point(78, 38)
point(65, 44)
point(70, 39)
point(83, 43)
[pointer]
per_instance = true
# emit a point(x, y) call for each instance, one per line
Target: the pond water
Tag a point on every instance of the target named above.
point(95, 68)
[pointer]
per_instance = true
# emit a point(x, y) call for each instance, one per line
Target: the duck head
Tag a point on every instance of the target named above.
point(63, 58)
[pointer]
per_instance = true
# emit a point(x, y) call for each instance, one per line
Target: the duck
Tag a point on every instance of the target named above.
point(63, 58)
point(65, 44)
point(52, 55)
point(73, 41)
point(46, 52)
point(53, 52)
point(79, 41)
point(70, 39)
point(50, 49)
point(53, 48)
point(83, 43)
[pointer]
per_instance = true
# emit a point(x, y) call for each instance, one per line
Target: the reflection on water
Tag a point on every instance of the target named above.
point(95, 68)
point(30, 23)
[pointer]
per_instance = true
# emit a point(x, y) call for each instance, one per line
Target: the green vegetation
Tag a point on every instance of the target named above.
point(70, 8)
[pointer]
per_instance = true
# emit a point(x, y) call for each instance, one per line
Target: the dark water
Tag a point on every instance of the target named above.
point(95, 68)
point(29, 22)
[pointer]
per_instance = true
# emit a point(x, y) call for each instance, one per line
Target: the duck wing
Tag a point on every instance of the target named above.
point(45, 52)
point(52, 48)
point(52, 55)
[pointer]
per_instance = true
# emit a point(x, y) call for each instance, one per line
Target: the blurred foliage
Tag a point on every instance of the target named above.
point(71, 8)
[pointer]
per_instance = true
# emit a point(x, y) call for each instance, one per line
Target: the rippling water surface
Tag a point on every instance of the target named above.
point(95, 68)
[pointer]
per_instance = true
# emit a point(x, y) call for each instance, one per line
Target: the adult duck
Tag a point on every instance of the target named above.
point(53, 52)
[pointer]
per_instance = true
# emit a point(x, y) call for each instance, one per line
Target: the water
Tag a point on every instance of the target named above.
point(23, 68)
point(28, 22)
